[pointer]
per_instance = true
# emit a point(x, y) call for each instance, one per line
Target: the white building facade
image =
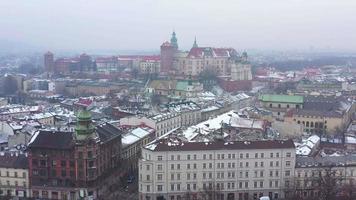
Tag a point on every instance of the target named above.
point(215, 170)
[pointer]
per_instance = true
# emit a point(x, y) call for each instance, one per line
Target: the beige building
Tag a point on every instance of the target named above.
point(323, 114)
point(205, 58)
point(172, 169)
point(241, 70)
point(150, 65)
point(309, 170)
point(162, 123)
point(14, 180)
point(280, 104)
point(132, 142)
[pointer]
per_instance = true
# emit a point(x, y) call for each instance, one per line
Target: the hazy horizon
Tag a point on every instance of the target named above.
point(143, 25)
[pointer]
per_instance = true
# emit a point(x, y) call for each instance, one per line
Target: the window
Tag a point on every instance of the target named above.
point(147, 188)
point(172, 166)
point(204, 165)
point(262, 155)
point(159, 157)
point(288, 155)
point(247, 155)
point(271, 155)
point(288, 163)
point(159, 177)
point(159, 167)
point(147, 167)
point(159, 187)
point(277, 163)
point(63, 163)
point(277, 155)
point(256, 155)
point(188, 166)
point(172, 176)
point(172, 157)
point(287, 173)
point(188, 157)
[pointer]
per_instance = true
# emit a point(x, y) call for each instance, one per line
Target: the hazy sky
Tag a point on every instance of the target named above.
point(145, 24)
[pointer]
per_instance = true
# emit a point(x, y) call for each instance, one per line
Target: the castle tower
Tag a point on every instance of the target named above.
point(195, 45)
point(174, 41)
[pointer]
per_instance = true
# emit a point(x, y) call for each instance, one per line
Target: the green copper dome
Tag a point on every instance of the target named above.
point(174, 40)
point(84, 115)
point(84, 125)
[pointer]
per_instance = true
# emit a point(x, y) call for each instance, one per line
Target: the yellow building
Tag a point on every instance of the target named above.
point(14, 180)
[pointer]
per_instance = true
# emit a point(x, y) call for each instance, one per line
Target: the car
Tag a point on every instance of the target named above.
point(130, 179)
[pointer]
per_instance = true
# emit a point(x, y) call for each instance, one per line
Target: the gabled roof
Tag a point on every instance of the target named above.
point(52, 140)
point(281, 98)
point(107, 132)
point(13, 160)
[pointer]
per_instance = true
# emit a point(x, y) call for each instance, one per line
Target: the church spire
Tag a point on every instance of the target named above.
point(174, 41)
point(195, 45)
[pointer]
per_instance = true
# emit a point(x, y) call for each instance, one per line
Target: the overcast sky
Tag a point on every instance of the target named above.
point(145, 24)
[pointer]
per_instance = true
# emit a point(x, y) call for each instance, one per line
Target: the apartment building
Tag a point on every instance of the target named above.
point(162, 123)
point(323, 114)
point(14, 180)
point(280, 104)
point(313, 173)
point(215, 170)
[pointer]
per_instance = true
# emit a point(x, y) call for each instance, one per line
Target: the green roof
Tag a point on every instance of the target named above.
point(182, 85)
point(84, 115)
point(282, 98)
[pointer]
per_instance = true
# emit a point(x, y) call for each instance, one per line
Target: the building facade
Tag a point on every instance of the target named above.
point(14, 177)
point(215, 170)
point(66, 165)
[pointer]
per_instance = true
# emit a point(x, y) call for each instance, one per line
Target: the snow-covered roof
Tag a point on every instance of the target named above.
point(135, 135)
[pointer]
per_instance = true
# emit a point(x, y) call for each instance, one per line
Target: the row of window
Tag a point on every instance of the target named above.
point(15, 174)
point(219, 185)
point(16, 183)
point(220, 165)
point(220, 175)
point(223, 156)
